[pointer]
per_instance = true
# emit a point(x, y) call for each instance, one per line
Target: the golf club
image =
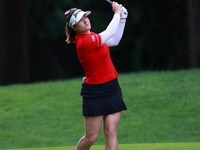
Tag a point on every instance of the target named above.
point(109, 1)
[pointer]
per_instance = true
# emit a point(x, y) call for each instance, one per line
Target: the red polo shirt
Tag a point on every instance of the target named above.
point(95, 59)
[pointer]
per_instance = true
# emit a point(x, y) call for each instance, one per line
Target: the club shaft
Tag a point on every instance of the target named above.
point(109, 1)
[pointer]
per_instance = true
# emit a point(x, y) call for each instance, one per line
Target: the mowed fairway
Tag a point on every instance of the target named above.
point(157, 146)
point(163, 107)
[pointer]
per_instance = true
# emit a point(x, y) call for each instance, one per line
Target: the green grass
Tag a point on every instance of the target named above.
point(163, 107)
point(156, 146)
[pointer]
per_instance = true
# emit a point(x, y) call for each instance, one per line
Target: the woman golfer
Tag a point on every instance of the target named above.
point(102, 96)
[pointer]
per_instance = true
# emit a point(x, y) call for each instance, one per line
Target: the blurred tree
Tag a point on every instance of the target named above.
point(14, 60)
point(193, 30)
point(51, 57)
point(154, 34)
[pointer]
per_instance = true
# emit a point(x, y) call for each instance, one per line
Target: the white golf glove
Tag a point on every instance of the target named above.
point(83, 80)
point(124, 13)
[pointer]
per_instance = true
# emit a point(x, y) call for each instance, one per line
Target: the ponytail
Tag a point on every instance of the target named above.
point(70, 33)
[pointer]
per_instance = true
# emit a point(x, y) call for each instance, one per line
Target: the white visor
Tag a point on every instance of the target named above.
point(76, 16)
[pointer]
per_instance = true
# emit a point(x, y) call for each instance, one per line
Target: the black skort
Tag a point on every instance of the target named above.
point(102, 99)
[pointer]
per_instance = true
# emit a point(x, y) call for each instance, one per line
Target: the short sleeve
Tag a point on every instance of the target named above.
point(91, 42)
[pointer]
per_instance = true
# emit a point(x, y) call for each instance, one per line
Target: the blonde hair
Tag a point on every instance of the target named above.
point(70, 32)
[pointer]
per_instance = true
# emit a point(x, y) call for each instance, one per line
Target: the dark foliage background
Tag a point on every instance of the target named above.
point(156, 37)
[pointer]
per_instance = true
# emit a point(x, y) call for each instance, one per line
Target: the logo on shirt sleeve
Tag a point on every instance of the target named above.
point(93, 38)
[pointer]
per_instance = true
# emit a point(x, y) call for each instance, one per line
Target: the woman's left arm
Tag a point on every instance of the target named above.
point(114, 40)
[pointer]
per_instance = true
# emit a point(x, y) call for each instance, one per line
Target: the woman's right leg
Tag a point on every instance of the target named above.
point(92, 130)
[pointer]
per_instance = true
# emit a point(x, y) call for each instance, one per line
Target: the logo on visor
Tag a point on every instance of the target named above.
point(75, 15)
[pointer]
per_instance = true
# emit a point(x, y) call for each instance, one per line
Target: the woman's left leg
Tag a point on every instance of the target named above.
point(110, 130)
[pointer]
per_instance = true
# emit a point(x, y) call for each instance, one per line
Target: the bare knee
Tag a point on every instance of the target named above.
point(90, 140)
point(110, 131)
